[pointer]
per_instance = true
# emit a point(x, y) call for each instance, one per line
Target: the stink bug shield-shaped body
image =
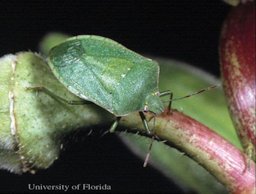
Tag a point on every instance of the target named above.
point(106, 73)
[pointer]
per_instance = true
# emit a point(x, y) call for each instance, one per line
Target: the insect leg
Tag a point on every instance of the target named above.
point(114, 125)
point(149, 150)
point(166, 93)
point(56, 97)
point(144, 121)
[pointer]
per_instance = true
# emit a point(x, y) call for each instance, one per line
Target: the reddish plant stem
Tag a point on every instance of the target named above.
point(222, 159)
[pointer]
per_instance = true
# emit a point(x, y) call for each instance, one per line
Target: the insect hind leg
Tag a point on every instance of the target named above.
point(56, 97)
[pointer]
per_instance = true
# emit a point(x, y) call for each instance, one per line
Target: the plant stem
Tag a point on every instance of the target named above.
point(217, 155)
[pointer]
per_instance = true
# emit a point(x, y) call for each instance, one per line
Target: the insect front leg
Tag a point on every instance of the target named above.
point(148, 154)
point(56, 97)
point(144, 121)
point(166, 93)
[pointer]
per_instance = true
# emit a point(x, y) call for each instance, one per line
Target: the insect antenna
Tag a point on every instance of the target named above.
point(195, 93)
point(171, 99)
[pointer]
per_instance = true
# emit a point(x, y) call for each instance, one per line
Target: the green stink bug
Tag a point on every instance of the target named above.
point(106, 73)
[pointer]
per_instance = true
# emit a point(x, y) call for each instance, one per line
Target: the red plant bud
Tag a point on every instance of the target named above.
point(237, 57)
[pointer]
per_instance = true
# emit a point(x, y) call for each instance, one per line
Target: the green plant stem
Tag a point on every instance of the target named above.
point(217, 155)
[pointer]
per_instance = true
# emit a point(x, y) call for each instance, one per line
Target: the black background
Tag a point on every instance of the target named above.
point(186, 30)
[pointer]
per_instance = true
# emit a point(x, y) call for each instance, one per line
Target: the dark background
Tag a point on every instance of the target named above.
point(186, 30)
